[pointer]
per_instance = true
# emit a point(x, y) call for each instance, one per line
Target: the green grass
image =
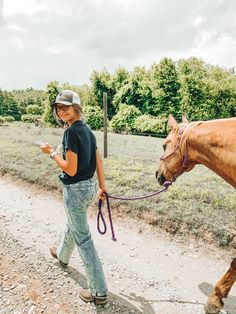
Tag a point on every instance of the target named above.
point(199, 203)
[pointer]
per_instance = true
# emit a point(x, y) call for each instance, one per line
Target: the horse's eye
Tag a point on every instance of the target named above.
point(164, 147)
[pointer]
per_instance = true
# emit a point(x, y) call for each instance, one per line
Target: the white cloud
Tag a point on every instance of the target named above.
point(217, 49)
point(197, 21)
point(205, 38)
point(14, 27)
point(29, 7)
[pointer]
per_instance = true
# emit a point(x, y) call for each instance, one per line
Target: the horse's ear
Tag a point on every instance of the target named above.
point(172, 123)
point(184, 119)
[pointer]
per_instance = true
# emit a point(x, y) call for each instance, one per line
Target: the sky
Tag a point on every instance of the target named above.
point(66, 40)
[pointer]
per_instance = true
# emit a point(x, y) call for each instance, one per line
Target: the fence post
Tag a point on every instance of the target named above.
point(105, 123)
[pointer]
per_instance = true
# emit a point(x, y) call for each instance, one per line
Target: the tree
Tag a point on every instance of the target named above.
point(101, 82)
point(27, 97)
point(193, 74)
point(53, 89)
point(221, 102)
point(119, 79)
point(86, 96)
point(3, 106)
point(166, 88)
point(8, 106)
point(136, 91)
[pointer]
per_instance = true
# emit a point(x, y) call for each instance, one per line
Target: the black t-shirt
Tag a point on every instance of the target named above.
point(80, 139)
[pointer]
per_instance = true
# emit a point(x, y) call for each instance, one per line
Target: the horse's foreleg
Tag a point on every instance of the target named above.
point(221, 290)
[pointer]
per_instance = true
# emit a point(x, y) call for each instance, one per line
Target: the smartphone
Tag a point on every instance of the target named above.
point(38, 143)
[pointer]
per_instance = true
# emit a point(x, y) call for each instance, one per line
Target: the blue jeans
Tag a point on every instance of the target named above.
point(77, 198)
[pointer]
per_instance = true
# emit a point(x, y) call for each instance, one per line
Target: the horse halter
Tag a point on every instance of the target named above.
point(185, 157)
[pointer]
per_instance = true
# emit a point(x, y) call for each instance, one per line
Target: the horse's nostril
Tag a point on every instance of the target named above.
point(160, 179)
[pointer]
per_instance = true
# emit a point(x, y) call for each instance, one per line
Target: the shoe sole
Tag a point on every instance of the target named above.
point(97, 301)
point(63, 264)
point(100, 301)
point(85, 299)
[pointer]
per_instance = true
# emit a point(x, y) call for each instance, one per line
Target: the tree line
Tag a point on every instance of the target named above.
point(139, 101)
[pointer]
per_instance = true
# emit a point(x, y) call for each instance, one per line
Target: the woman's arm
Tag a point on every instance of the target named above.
point(69, 165)
point(100, 175)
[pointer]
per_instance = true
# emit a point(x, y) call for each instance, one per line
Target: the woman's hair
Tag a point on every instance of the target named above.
point(78, 110)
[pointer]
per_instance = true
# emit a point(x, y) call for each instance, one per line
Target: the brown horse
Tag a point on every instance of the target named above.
point(210, 143)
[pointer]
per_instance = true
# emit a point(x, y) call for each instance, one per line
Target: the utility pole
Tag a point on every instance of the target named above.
point(105, 123)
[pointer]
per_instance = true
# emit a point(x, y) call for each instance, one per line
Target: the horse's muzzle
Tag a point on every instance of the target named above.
point(160, 178)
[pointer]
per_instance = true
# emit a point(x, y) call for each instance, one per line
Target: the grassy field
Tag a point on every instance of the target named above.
point(199, 204)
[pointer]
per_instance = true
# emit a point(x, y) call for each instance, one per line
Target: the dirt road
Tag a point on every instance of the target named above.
point(147, 271)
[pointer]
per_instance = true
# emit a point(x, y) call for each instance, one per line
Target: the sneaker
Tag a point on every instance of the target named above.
point(86, 296)
point(53, 252)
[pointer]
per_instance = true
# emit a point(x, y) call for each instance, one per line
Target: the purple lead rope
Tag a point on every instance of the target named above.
point(100, 216)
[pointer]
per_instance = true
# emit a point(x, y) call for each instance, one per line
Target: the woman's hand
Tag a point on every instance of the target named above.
point(101, 195)
point(46, 148)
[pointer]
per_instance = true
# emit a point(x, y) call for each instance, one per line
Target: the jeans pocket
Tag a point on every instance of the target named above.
point(87, 194)
point(79, 197)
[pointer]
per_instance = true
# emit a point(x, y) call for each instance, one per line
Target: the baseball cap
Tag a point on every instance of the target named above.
point(67, 97)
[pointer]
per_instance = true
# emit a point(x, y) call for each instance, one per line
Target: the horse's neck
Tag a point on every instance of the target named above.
point(213, 144)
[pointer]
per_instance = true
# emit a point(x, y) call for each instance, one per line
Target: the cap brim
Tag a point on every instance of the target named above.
point(66, 103)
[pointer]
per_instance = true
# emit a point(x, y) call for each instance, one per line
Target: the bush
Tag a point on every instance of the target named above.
point(34, 110)
point(125, 118)
point(94, 117)
point(9, 119)
point(150, 124)
point(28, 117)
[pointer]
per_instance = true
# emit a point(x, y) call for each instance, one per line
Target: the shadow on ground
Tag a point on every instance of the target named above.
point(229, 303)
point(115, 300)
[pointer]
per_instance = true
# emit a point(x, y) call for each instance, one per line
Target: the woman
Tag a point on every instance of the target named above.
point(80, 158)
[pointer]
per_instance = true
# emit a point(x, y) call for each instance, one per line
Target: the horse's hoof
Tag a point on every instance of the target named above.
point(211, 308)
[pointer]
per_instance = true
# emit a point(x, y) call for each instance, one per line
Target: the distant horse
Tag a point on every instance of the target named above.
point(212, 144)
